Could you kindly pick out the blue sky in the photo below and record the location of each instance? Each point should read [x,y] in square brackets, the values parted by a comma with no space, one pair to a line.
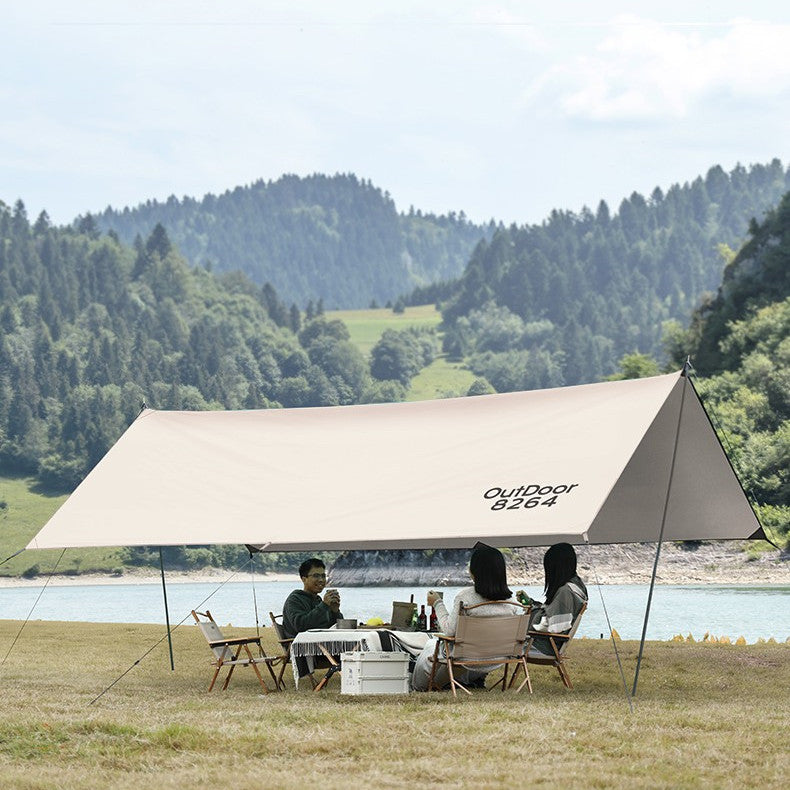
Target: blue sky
[499,109]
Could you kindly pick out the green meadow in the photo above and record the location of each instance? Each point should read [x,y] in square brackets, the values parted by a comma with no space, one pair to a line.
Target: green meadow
[24,508]
[441,379]
[367,326]
[706,715]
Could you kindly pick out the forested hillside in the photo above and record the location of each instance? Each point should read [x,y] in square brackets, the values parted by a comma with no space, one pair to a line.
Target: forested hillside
[91,328]
[561,302]
[335,238]
[739,343]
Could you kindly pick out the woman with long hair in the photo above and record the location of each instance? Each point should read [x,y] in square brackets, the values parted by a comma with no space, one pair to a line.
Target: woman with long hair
[487,569]
[565,595]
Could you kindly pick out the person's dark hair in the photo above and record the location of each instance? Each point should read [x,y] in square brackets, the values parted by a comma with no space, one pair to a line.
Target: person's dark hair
[559,563]
[308,565]
[487,566]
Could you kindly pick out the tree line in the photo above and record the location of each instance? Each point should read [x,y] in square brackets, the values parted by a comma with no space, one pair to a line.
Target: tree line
[91,329]
[560,302]
[739,343]
[336,238]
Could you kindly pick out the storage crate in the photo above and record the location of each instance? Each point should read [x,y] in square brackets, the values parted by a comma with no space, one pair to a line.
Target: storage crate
[374,673]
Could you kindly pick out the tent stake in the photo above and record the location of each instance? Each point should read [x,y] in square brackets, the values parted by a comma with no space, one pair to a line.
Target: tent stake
[167,613]
[663,523]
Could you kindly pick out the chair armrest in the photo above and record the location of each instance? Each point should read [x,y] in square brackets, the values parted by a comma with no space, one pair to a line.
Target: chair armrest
[441,639]
[239,640]
[548,634]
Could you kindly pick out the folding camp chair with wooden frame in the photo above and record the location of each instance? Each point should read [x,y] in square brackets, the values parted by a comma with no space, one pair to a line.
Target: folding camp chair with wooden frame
[483,641]
[285,644]
[228,652]
[559,646]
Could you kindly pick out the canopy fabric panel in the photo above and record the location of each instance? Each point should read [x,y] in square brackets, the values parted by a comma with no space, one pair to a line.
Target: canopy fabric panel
[517,469]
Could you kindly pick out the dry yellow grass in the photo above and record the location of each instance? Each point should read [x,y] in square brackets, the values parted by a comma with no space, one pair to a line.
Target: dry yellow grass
[707,715]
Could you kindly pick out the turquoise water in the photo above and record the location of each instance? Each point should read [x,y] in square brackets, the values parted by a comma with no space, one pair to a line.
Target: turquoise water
[753,612]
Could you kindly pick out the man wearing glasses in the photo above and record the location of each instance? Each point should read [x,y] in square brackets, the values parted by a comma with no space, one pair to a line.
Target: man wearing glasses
[305,609]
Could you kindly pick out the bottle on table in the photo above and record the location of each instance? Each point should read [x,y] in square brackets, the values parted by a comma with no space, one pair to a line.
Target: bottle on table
[523,598]
[413,625]
[433,620]
[422,619]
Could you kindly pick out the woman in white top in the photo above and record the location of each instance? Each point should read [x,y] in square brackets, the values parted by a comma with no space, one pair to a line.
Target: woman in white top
[487,569]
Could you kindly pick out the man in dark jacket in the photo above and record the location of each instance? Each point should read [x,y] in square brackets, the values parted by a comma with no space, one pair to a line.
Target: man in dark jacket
[304,609]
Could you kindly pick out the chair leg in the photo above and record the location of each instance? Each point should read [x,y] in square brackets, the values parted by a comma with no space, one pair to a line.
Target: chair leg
[274,677]
[564,675]
[453,682]
[333,667]
[214,679]
[280,682]
[514,675]
[266,689]
[325,679]
[452,676]
[522,665]
[233,666]
[434,664]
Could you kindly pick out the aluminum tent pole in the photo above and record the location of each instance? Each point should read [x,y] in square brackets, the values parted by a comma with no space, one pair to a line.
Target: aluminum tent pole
[663,523]
[167,612]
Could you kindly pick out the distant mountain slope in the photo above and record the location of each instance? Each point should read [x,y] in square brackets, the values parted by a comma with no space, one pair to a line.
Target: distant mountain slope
[739,343]
[561,302]
[90,329]
[337,238]
[757,277]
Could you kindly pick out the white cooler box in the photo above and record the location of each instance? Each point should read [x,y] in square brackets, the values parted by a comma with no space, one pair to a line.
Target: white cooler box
[374,673]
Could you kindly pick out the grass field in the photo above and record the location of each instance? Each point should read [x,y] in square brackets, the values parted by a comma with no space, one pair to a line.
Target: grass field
[441,379]
[707,715]
[367,326]
[26,508]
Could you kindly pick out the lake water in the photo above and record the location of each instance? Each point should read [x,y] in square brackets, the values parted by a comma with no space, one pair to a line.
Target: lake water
[733,610]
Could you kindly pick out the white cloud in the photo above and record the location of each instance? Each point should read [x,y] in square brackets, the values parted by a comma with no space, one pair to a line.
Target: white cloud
[502,108]
[646,70]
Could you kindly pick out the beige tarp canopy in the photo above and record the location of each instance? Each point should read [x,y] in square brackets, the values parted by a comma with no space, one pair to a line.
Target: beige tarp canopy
[605,463]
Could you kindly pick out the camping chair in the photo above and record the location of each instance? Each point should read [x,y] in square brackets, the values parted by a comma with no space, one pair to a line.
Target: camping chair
[224,655]
[483,641]
[559,645]
[285,645]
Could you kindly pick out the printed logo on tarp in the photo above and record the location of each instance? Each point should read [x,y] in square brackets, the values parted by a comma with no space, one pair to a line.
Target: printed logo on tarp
[527,497]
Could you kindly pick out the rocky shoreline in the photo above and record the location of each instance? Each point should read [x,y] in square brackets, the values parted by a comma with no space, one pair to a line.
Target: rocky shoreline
[724,562]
